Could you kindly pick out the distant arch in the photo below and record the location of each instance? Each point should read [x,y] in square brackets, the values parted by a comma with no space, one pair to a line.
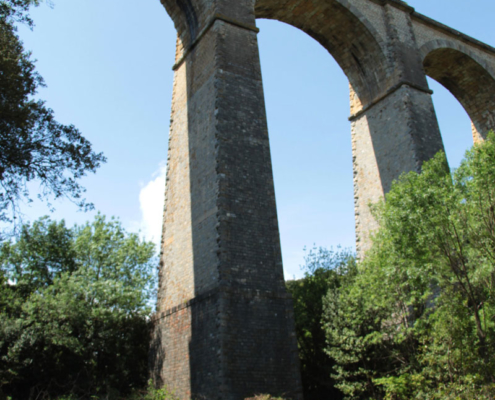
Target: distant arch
[470,80]
[344,32]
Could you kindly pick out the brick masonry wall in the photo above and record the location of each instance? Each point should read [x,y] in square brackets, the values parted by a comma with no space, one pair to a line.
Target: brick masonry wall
[228,344]
[224,326]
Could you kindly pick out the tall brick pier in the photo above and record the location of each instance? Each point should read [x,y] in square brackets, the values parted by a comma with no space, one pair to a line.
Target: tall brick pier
[224,325]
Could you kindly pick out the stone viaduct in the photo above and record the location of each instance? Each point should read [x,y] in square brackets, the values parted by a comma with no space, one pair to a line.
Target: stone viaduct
[224,324]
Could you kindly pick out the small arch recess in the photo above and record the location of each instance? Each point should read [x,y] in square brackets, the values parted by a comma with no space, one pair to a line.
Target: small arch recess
[467,78]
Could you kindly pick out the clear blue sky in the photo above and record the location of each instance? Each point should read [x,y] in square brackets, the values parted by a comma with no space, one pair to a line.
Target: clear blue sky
[107,64]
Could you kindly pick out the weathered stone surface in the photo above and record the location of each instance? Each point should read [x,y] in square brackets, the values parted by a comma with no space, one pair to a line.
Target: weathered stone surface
[224,326]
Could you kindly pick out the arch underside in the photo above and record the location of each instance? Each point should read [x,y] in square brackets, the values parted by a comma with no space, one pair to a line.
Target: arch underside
[469,82]
[341,33]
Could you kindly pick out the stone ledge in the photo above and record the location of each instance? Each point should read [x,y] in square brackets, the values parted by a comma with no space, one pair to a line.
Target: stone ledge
[216,17]
[378,99]
[240,292]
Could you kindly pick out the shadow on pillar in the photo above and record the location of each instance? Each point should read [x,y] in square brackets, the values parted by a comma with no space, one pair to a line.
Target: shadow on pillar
[242,330]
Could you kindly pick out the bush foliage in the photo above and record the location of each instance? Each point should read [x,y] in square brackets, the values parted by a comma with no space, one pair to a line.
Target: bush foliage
[417,320]
[74,310]
[324,270]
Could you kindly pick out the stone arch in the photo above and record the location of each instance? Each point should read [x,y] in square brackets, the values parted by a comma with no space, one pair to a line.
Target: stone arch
[470,80]
[185,17]
[344,32]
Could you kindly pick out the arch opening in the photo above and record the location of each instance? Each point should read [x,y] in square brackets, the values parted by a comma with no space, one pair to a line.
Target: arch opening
[352,42]
[307,106]
[469,82]
[454,123]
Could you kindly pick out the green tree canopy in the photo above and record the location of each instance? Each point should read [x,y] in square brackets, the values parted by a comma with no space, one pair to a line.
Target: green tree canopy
[33,145]
[74,309]
[418,320]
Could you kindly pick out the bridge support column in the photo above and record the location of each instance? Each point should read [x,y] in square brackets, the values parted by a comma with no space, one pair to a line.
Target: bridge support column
[394,134]
[224,328]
